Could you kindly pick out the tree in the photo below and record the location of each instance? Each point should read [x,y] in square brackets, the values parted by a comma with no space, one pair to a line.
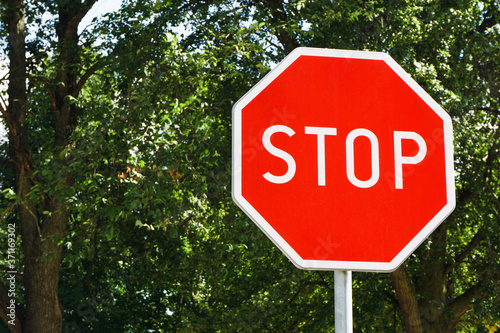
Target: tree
[43,216]
[117,172]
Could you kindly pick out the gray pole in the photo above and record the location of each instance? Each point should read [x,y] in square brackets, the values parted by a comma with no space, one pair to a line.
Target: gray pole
[343,301]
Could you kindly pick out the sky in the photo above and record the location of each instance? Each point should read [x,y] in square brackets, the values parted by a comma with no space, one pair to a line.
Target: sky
[100,8]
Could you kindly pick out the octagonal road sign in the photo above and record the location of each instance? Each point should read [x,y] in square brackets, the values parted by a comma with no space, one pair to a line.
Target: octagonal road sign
[343,160]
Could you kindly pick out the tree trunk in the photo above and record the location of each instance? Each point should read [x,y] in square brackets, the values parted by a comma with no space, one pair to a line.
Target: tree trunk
[42,234]
[42,260]
[433,285]
[42,255]
[407,299]
[433,310]
[15,119]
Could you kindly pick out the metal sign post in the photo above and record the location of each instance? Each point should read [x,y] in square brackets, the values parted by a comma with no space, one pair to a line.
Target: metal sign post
[343,301]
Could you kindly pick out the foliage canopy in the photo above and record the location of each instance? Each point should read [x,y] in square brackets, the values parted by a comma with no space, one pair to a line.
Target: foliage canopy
[116,171]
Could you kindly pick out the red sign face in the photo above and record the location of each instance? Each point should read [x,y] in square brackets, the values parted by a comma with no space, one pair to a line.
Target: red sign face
[342,160]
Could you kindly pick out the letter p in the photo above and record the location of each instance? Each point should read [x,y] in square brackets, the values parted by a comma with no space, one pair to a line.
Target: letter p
[399,159]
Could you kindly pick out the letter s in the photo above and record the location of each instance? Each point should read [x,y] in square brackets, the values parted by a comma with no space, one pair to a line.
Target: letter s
[266,140]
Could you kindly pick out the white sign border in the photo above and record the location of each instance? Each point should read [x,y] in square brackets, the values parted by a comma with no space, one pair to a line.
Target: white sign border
[272,233]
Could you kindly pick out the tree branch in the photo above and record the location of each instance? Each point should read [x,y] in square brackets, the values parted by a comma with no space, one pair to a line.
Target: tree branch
[463,303]
[84,9]
[474,243]
[52,98]
[278,14]
[3,105]
[4,113]
[84,78]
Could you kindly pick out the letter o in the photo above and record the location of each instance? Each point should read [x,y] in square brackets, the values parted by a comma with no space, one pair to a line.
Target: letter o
[349,143]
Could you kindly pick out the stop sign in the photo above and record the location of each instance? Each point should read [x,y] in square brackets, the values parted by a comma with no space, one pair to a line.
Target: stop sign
[343,160]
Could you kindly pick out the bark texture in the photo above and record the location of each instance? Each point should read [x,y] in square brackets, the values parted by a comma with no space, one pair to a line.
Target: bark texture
[42,234]
[42,254]
[407,299]
[429,305]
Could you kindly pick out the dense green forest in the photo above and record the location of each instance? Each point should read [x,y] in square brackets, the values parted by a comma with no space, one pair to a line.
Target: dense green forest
[116,209]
